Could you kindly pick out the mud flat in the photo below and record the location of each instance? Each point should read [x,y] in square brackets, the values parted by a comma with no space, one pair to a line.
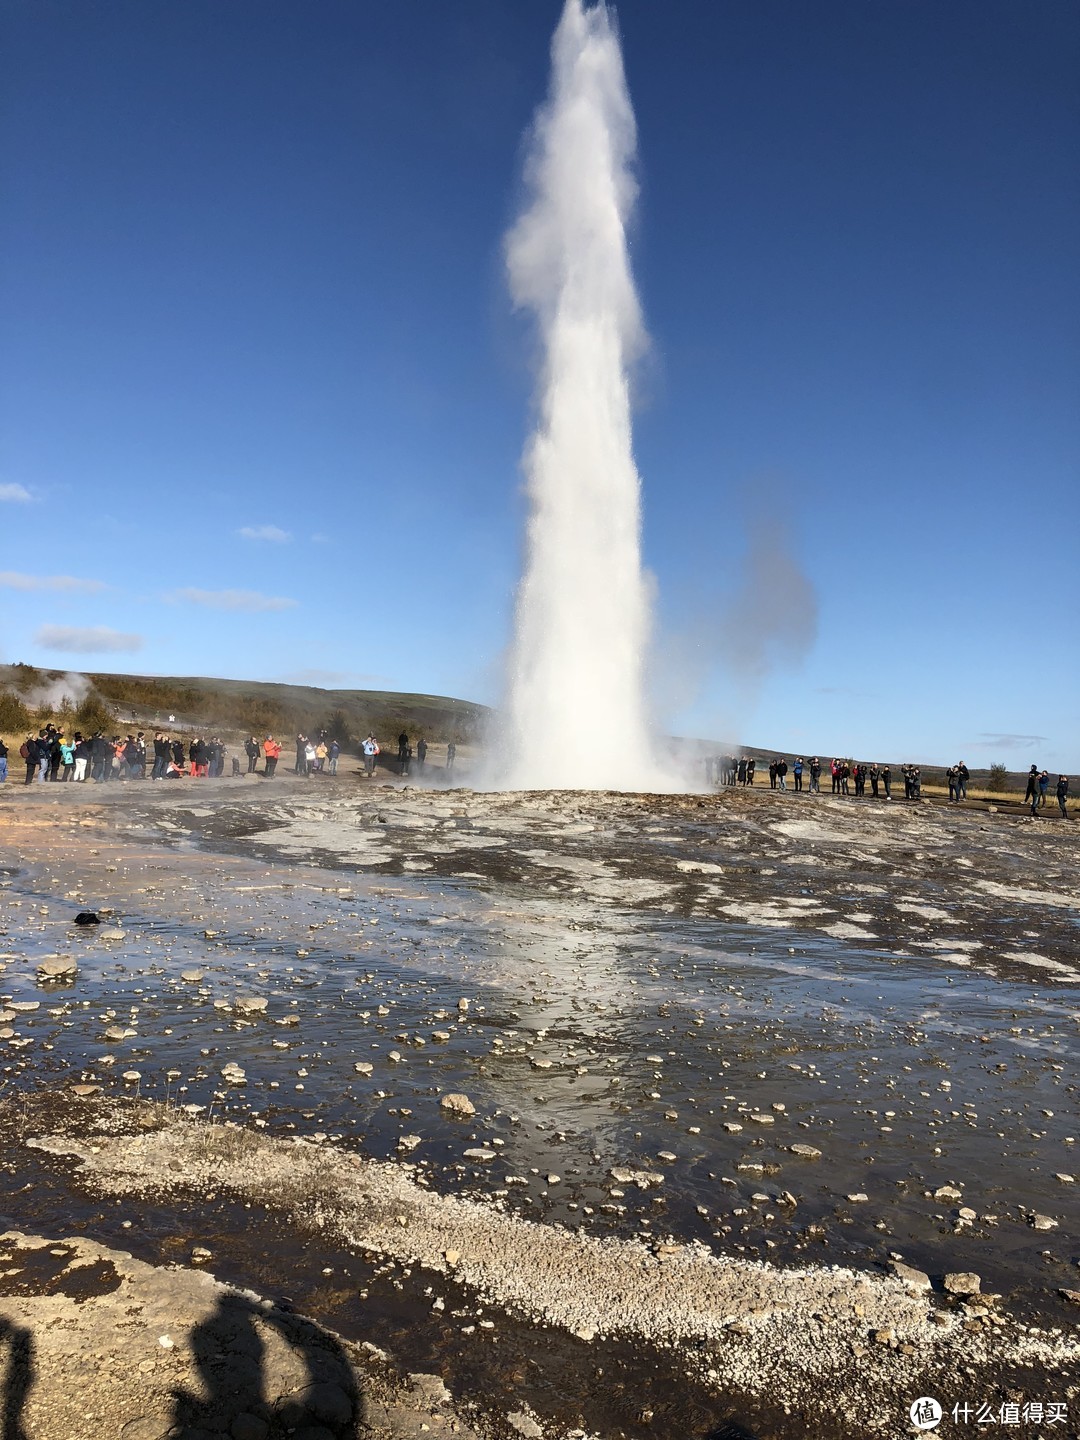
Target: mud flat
[624,1115]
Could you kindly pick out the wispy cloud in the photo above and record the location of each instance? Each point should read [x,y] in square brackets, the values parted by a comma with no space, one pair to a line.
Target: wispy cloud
[13,580]
[248,602]
[18,493]
[264,532]
[319,539]
[86,640]
[1008,741]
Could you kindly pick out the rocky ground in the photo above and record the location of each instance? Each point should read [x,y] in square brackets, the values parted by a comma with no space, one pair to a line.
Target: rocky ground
[747,1114]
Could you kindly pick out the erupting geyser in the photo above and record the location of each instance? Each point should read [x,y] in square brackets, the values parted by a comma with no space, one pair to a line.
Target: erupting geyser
[577,712]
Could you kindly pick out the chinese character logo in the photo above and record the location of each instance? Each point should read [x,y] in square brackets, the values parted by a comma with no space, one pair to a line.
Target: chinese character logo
[925,1413]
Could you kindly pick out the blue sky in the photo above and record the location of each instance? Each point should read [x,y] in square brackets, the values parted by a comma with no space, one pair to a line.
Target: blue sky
[261,390]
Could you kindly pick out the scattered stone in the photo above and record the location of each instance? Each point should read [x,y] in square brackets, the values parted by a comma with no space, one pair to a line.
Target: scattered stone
[1072,1296]
[233,1073]
[251,1005]
[457,1105]
[962,1283]
[858,1198]
[643,1179]
[200,1255]
[84,1090]
[760,1118]
[116,1033]
[362,1067]
[948,1192]
[86,917]
[808,1152]
[429,1389]
[918,1279]
[479,1153]
[1042,1222]
[525,1424]
[57,967]
[116,935]
[192,977]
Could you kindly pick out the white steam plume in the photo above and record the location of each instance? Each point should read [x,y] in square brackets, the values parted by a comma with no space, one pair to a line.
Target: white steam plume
[577,714]
[50,694]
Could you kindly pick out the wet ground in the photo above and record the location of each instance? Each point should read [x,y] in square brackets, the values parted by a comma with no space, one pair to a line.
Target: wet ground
[676,990]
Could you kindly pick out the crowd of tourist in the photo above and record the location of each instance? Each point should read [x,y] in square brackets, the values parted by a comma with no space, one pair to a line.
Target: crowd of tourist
[1038,783]
[50,755]
[849,777]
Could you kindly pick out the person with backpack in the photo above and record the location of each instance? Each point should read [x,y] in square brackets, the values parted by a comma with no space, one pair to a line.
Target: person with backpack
[963,775]
[28,750]
[253,750]
[1032,791]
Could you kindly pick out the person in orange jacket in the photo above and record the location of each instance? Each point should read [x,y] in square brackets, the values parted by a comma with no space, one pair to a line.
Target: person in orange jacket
[272,750]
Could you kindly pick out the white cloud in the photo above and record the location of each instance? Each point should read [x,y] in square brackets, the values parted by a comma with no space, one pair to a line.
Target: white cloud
[248,601]
[264,532]
[18,493]
[86,640]
[13,580]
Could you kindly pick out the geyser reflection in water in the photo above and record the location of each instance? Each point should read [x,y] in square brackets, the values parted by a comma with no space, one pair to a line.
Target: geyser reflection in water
[577,717]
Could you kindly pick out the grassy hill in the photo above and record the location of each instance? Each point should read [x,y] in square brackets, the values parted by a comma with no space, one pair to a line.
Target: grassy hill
[95,700]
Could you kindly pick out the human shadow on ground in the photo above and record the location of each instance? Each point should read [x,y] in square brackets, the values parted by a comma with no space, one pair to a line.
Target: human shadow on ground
[730,1431]
[19,1374]
[256,1389]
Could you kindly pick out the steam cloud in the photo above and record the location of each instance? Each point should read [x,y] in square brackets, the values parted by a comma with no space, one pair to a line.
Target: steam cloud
[773,612]
[51,694]
[576,711]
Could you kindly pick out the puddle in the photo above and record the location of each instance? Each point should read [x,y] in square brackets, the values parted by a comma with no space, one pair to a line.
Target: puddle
[592,1040]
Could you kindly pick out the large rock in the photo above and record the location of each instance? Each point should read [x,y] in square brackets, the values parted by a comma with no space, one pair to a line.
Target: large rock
[963,1283]
[329,1402]
[916,1279]
[57,967]
[457,1105]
